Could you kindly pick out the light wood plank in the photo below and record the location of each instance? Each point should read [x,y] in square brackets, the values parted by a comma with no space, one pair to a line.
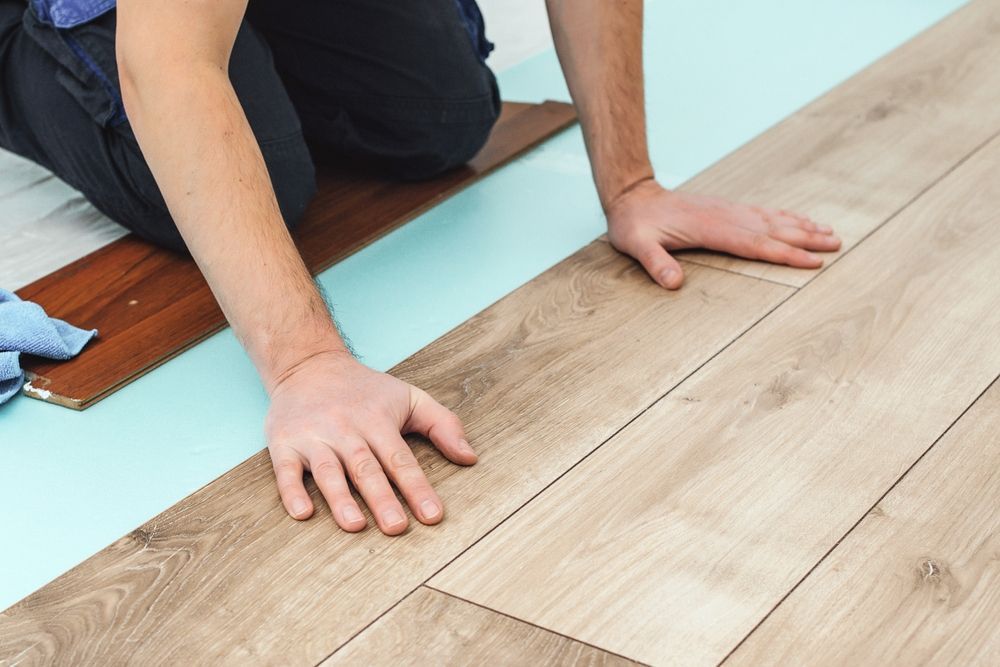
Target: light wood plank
[861,152]
[918,581]
[677,536]
[431,628]
[540,378]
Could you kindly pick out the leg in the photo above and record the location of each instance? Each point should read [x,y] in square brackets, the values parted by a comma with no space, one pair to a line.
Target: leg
[400,84]
[62,109]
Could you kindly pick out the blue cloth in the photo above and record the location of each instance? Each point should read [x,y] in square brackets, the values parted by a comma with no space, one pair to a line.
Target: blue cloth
[24,327]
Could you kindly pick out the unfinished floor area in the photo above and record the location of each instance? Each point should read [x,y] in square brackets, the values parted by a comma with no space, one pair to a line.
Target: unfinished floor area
[769,466]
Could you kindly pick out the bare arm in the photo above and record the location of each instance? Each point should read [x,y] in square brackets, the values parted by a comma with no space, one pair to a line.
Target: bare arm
[329,414]
[600,48]
[174,60]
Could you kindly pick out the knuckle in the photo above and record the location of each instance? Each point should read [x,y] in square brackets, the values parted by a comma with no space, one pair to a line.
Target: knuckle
[286,467]
[403,460]
[355,451]
[288,488]
[649,256]
[366,468]
[451,421]
[326,467]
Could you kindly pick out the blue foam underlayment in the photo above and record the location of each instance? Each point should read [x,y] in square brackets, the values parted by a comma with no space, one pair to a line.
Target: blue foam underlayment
[719,73]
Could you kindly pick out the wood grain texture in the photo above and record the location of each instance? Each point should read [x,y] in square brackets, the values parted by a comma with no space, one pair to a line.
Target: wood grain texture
[918,581]
[431,628]
[540,379]
[674,539]
[150,304]
[858,154]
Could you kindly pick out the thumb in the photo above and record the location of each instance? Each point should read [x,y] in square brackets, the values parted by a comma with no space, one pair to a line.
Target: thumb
[660,266]
[439,425]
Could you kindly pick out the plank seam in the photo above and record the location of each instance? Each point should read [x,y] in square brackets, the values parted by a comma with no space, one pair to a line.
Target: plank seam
[818,272]
[461,553]
[680,256]
[536,626]
[513,618]
[792,292]
[857,523]
[688,260]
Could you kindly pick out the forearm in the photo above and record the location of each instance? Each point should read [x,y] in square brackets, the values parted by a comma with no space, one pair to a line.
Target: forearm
[198,143]
[599,44]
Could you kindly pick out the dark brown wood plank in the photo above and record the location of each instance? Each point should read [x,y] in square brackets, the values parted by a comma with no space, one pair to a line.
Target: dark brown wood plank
[540,379]
[150,304]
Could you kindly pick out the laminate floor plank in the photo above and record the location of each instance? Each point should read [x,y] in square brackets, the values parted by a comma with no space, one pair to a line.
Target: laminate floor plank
[675,538]
[150,304]
[918,581]
[540,379]
[431,628]
[861,152]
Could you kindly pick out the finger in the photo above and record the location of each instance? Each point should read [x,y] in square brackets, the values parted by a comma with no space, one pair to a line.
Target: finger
[288,475]
[763,247]
[439,425]
[332,483]
[767,218]
[661,267]
[803,222]
[801,238]
[371,483]
[399,462]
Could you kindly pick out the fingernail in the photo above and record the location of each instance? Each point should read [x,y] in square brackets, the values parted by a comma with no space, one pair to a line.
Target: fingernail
[667,277]
[430,509]
[466,447]
[351,514]
[814,257]
[393,518]
[299,507]
[826,229]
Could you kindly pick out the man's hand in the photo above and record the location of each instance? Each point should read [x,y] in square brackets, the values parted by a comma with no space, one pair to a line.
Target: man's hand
[340,420]
[648,220]
[600,48]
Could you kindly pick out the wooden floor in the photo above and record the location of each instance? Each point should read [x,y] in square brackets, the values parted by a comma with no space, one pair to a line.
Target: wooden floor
[768,467]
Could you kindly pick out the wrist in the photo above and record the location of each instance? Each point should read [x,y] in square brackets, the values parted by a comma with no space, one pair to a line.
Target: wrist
[280,352]
[614,188]
[294,365]
[639,188]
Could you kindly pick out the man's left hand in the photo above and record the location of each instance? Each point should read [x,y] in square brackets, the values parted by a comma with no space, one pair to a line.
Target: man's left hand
[648,221]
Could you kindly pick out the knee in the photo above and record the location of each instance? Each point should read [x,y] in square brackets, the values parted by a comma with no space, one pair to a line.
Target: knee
[450,129]
[436,147]
[423,138]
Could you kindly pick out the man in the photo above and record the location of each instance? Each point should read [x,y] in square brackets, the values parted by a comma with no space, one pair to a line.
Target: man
[193,122]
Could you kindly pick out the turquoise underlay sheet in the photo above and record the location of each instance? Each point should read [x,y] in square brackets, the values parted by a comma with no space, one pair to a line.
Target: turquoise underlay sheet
[719,73]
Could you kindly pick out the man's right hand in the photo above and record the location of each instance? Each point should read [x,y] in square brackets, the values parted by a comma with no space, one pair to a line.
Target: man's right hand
[340,420]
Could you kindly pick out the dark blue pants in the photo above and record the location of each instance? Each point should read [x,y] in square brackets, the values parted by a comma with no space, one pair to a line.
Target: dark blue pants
[395,85]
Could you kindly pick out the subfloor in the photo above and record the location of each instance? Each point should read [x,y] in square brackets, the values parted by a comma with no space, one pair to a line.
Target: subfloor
[769,466]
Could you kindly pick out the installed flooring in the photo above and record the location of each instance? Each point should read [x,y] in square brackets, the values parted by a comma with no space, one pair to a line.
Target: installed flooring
[769,466]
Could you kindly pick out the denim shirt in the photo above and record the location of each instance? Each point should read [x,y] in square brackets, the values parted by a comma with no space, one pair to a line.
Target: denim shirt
[70,13]
[65,14]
